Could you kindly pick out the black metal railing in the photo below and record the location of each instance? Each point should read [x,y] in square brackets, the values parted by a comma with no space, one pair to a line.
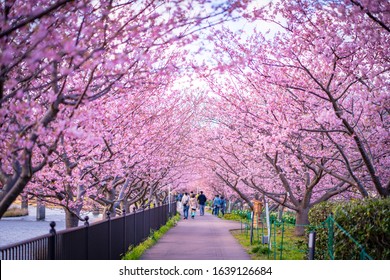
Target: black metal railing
[103,240]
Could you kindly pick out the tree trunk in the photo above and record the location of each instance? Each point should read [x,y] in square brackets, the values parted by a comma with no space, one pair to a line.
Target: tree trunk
[280,212]
[125,205]
[71,220]
[41,210]
[110,209]
[11,190]
[301,221]
[24,201]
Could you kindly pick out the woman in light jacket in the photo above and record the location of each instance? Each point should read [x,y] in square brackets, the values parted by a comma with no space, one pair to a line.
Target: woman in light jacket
[193,205]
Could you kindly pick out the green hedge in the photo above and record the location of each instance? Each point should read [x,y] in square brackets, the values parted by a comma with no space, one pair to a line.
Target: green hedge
[288,217]
[367,221]
[317,216]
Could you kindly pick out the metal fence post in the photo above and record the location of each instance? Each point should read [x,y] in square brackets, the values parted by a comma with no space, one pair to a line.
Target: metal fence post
[150,224]
[251,230]
[109,234]
[143,223]
[330,236]
[52,241]
[134,227]
[274,241]
[312,243]
[124,230]
[162,207]
[281,244]
[86,224]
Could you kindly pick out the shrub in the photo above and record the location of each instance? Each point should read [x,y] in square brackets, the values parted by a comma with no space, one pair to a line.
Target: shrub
[243,214]
[317,216]
[288,217]
[366,221]
[261,249]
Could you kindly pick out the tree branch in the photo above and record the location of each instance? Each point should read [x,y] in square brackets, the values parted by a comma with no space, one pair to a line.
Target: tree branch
[34,17]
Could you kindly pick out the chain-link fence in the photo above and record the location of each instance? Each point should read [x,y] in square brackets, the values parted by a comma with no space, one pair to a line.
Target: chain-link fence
[279,242]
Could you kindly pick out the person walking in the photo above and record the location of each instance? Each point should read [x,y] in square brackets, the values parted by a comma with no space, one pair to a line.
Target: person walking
[193,204]
[179,196]
[216,205]
[185,200]
[202,202]
[223,205]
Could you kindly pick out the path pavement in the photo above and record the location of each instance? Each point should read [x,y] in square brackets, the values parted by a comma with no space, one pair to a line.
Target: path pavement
[203,238]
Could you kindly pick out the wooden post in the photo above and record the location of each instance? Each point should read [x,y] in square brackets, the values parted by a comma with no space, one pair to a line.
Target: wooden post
[257,209]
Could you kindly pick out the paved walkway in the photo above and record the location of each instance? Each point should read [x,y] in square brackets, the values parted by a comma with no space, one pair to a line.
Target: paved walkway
[203,238]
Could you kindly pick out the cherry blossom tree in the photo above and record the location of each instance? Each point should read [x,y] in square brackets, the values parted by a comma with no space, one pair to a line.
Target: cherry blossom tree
[343,68]
[138,155]
[92,110]
[303,116]
[256,154]
[58,56]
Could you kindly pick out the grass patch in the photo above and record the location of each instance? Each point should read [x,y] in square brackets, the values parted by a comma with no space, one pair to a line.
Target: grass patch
[15,212]
[136,252]
[292,248]
[231,217]
[235,215]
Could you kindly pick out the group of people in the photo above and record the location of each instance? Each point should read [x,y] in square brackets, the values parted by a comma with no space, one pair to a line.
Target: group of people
[190,202]
[219,204]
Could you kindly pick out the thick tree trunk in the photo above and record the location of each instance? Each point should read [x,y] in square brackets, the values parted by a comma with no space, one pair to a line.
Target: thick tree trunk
[71,220]
[302,220]
[11,191]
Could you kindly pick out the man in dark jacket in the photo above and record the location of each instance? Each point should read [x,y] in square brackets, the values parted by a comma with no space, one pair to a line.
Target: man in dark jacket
[202,202]
[185,202]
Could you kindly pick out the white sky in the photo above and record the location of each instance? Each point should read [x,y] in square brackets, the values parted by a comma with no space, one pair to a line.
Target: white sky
[267,28]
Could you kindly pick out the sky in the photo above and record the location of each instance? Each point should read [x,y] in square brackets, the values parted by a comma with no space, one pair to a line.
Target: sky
[201,50]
